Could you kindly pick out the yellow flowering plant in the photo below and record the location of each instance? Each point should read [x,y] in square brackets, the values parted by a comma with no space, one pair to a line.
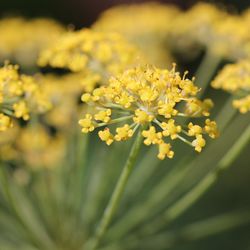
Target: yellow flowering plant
[24,47]
[19,95]
[61,188]
[235,79]
[153,24]
[97,55]
[149,97]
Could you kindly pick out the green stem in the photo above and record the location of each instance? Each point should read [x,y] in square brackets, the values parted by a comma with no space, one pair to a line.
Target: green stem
[137,214]
[15,208]
[78,177]
[206,70]
[164,190]
[197,191]
[226,114]
[194,231]
[117,193]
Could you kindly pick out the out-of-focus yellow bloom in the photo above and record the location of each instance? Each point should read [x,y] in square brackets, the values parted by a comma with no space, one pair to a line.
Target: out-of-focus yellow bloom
[64,93]
[230,38]
[33,145]
[19,96]
[97,55]
[148,97]
[39,149]
[207,26]
[5,122]
[235,79]
[147,25]
[22,40]
[191,29]
[7,139]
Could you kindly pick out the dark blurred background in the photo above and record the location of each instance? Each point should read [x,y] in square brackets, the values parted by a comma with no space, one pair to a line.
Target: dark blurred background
[84,12]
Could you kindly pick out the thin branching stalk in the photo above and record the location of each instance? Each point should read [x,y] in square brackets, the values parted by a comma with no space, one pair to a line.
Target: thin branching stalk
[207,70]
[10,198]
[164,187]
[192,232]
[178,208]
[117,194]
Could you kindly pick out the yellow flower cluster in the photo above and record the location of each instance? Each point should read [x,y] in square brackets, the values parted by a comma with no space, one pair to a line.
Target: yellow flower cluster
[153,21]
[96,54]
[39,149]
[205,25]
[235,79]
[153,99]
[34,145]
[19,95]
[64,93]
[22,40]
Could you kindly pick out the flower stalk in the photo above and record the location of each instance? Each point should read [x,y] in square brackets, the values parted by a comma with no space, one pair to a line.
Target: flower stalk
[117,194]
[206,70]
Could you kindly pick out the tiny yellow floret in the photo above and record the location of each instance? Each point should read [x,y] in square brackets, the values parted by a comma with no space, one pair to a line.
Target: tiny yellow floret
[87,124]
[165,150]
[199,143]
[106,136]
[123,133]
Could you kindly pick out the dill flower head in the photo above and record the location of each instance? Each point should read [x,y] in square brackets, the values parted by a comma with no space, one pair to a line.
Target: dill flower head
[96,54]
[153,99]
[22,39]
[146,25]
[206,25]
[19,96]
[230,38]
[194,27]
[235,79]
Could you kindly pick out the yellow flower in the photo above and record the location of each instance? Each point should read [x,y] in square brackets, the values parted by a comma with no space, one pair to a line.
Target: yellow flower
[96,55]
[106,136]
[153,22]
[39,149]
[194,129]
[103,115]
[170,129]
[211,128]
[235,79]
[242,104]
[194,28]
[167,109]
[5,122]
[123,133]
[87,124]
[23,47]
[20,95]
[165,150]
[21,110]
[152,137]
[135,97]
[142,117]
[199,143]
[195,107]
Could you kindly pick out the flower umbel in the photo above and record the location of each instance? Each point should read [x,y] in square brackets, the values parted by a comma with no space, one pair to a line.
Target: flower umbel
[96,55]
[149,97]
[235,79]
[19,96]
